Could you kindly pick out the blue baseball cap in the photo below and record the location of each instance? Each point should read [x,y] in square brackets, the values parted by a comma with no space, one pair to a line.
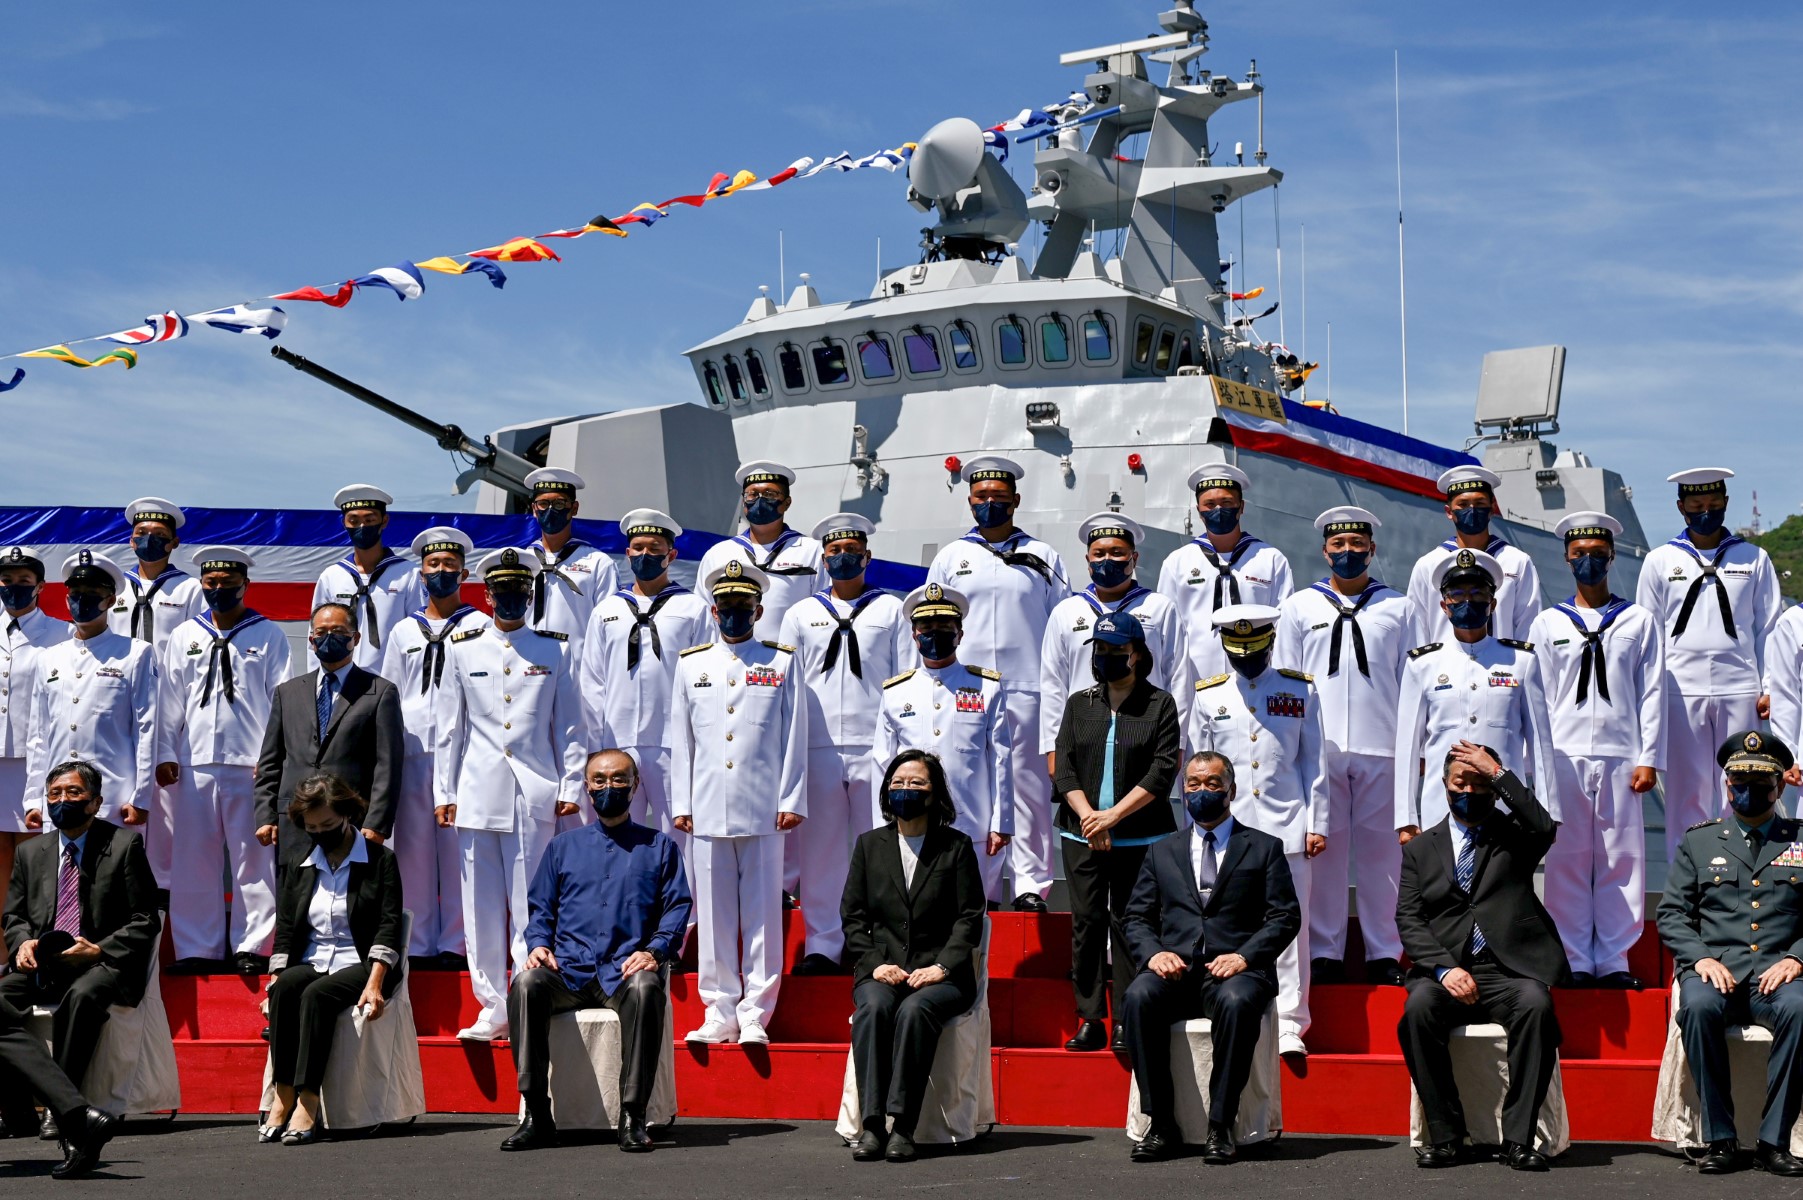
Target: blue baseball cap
[1118,629]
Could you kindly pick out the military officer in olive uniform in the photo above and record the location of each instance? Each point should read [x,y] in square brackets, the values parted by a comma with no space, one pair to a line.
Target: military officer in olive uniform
[1731,915]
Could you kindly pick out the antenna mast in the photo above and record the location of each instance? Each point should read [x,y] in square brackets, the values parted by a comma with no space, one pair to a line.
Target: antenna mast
[1402,289]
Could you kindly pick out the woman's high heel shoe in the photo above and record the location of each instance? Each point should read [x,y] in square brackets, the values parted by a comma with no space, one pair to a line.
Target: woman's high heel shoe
[301,1137]
[270,1134]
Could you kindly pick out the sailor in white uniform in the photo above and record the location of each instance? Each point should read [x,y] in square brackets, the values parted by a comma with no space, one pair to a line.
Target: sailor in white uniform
[1473,688]
[1011,583]
[1224,565]
[95,698]
[574,575]
[376,584]
[958,713]
[738,782]
[1353,634]
[157,595]
[1470,505]
[27,630]
[1717,599]
[789,559]
[218,679]
[1113,544]
[425,848]
[628,663]
[1267,720]
[849,637]
[508,763]
[1784,683]
[1603,659]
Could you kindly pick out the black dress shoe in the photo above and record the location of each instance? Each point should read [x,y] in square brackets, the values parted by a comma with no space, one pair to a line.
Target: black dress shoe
[191,966]
[250,964]
[1720,1158]
[1440,1154]
[269,1135]
[790,901]
[871,1143]
[1517,1157]
[634,1137]
[84,1149]
[901,1148]
[47,1128]
[1326,970]
[1090,1035]
[536,1132]
[1384,971]
[1775,1160]
[1030,902]
[1624,981]
[1118,1043]
[1219,1149]
[816,964]
[1156,1146]
[1582,979]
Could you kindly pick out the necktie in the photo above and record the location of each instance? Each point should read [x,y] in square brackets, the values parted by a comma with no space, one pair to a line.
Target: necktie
[541,586]
[141,611]
[1224,576]
[1015,558]
[1467,867]
[363,597]
[642,622]
[1349,617]
[328,688]
[1696,589]
[68,895]
[220,659]
[1208,865]
[12,626]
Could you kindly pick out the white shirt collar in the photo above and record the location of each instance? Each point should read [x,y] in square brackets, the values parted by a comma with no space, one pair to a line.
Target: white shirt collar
[1221,832]
[338,675]
[359,854]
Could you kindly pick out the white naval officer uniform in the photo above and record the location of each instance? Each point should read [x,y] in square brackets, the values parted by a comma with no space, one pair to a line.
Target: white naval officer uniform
[215,739]
[738,756]
[378,600]
[1517,596]
[509,749]
[1358,686]
[1596,869]
[1199,581]
[23,639]
[1784,676]
[1064,653]
[96,700]
[792,562]
[150,609]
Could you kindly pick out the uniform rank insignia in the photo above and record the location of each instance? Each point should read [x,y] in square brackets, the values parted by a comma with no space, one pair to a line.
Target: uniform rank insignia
[1322,625]
[478,674]
[762,677]
[1504,681]
[193,648]
[1081,625]
[109,673]
[1792,856]
[1283,704]
[538,671]
[970,700]
[53,675]
[701,681]
[907,710]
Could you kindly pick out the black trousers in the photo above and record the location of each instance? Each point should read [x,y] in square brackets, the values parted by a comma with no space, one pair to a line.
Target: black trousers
[1523,1007]
[83,1001]
[28,1074]
[541,993]
[1100,883]
[1236,1007]
[1704,1015]
[304,1007]
[894,1035]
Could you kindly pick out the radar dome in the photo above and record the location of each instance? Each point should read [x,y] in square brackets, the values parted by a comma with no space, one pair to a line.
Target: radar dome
[946,159]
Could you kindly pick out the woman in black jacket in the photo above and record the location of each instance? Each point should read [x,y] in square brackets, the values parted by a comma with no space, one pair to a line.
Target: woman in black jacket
[337,943]
[1116,761]
[913,913]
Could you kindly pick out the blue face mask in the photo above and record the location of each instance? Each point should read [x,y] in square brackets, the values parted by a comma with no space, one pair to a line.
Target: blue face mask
[1110,668]
[1205,806]
[86,606]
[762,510]
[68,814]
[1469,614]
[991,514]
[908,803]
[1471,807]
[18,596]
[443,583]
[511,605]
[610,802]
[222,599]
[1350,564]
[1707,522]
[150,547]
[365,537]
[553,520]
[1221,521]
[1471,521]
[936,645]
[1590,569]
[849,565]
[332,647]
[1748,800]
[1109,572]
[737,621]
[646,567]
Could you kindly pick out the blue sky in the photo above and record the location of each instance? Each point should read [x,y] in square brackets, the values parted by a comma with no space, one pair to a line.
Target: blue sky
[1621,178]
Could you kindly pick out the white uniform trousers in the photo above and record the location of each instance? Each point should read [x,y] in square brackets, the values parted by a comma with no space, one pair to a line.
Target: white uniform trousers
[12,796]
[1596,870]
[1032,853]
[159,833]
[496,867]
[1363,852]
[841,808]
[429,859]
[1293,963]
[1695,728]
[651,807]
[216,829]
[739,901]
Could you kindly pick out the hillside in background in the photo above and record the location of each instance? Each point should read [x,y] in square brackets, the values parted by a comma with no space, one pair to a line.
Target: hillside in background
[1785,545]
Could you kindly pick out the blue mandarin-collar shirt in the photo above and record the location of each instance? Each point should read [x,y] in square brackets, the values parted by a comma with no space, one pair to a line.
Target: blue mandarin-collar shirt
[601,895]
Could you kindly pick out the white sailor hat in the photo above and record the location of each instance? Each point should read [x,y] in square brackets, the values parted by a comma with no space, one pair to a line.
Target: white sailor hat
[1111,525]
[992,466]
[441,538]
[736,578]
[554,479]
[843,525]
[1218,475]
[154,508]
[85,566]
[1587,525]
[643,522]
[1469,478]
[501,565]
[1246,628]
[762,470]
[1463,564]
[1347,518]
[362,495]
[22,556]
[1701,481]
[222,558]
[933,600]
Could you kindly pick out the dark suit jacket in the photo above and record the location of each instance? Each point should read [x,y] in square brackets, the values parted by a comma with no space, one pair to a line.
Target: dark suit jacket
[1146,745]
[363,746]
[373,899]
[937,920]
[1707,908]
[118,899]
[1434,915]
[1252,912]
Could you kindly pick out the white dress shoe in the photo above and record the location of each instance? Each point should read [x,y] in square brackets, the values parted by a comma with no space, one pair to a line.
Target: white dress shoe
[751,1033]
[713,1031]
[483,1030]
[1291,1043]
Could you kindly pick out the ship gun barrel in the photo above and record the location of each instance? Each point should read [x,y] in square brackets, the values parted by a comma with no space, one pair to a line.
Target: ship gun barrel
[488,462]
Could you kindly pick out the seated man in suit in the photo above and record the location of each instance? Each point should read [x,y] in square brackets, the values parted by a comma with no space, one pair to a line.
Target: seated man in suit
[1483,948]
[1212,910]
[87,888]
[1731,916]
[608,909]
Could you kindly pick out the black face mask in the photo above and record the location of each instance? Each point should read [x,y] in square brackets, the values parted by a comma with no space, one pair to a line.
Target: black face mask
[845,566]
[936,645]
[365,537]
[1750,799]
[1471,521]
[329,839]
[1707,522]
[646,567]
[1251,666]
[610,802]
[762,510]
[68,814]
[1205,806]
[991,514]
[512,605]
[553,520]
[736,620]
[1109,572]
[442,583]
[1350,564]
[1110,668]
[18,596]
[86,606]
[1469,614]
[331,647]
[1221,521]
[222,599]
[150,547]
[1471,807]
[908,803]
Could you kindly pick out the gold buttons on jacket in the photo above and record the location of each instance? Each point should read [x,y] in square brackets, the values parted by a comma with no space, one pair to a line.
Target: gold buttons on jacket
[1752,947]
[729,764]
[1756,926]
[506,724]
[1755,904]
[508,752]
[729,710]
[507,699]
[506,670]
[1755,883]
[1255,764]
[729,737]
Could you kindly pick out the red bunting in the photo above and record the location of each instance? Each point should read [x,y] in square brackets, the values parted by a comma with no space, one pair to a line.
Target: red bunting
[345,292]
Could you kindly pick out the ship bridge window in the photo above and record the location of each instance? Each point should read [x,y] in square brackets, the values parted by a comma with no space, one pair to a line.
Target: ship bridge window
[1142,343]
[832,368]
[1186,353]
[1098,339]
[875,359]
[920,351]
[754,369]
[1054,340]
[1167,345]
[735,379]
[964,346]
[788,361]
[716,391]
[1011,342]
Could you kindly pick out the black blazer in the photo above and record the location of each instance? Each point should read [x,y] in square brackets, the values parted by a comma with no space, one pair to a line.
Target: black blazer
[118,899]
[1146,746]
[1434,915]
[1252,912]
[373,898]
[937,920]
[363,746]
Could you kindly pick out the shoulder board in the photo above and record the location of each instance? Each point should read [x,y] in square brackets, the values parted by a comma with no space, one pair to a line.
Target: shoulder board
[467,634]
[1704,824]
[1304,676]
[1418,651]
[779,646]
[552,634]
[696,649]
[1203,685]
[903,677]
[1511,642]
[985,673]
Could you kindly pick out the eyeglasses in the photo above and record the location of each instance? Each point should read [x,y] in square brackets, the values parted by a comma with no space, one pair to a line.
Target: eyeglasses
[73,791]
